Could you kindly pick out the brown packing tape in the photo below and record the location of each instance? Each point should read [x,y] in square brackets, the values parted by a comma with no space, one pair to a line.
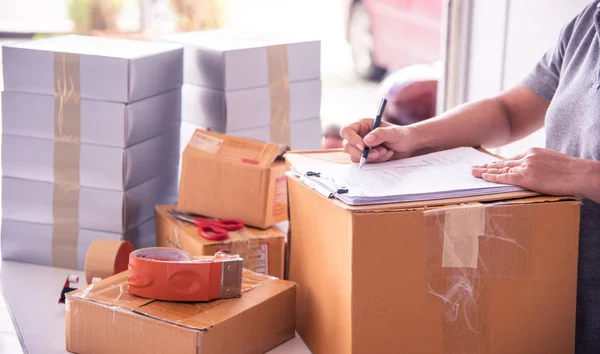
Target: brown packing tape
[67,131]
[279,92]
[462,229]
[467,247]
[105,258]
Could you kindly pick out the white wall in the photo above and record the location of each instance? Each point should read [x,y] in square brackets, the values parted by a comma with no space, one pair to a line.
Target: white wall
[507,38]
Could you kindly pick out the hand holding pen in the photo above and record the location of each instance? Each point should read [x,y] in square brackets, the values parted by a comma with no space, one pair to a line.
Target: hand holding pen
[376,124]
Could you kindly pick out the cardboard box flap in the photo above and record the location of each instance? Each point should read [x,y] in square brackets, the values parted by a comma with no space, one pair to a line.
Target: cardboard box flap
[202,316]
[235,149]
[247,234]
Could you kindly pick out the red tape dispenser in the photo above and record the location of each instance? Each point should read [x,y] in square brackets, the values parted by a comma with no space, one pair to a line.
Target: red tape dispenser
[170,274]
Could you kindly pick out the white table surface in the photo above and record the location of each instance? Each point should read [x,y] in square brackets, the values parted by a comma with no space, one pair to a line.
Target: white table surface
[31,294]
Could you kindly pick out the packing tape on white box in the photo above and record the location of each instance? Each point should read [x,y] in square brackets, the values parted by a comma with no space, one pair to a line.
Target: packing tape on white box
[466,247]
[105,258]
[67,132]
[279,93]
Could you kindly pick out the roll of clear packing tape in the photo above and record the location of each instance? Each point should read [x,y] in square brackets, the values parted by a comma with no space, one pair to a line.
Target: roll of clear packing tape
[105,258]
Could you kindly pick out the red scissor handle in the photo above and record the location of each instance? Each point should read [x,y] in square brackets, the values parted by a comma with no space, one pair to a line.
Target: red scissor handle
[231,224]
[217,230]
[212,232]
[227,224]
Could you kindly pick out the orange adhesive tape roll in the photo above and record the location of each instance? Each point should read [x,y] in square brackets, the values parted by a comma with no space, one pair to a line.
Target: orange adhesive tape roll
[105,258]
[170,274]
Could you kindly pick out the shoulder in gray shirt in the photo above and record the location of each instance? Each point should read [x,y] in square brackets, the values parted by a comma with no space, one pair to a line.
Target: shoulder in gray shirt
[568,76]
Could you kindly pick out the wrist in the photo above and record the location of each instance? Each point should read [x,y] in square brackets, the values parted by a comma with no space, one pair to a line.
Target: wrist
[589,180]
[419,139]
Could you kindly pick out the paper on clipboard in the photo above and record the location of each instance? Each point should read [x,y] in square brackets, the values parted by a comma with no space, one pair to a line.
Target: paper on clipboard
[439,175]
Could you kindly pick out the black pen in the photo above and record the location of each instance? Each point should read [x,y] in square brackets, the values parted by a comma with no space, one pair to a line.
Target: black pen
[376,124]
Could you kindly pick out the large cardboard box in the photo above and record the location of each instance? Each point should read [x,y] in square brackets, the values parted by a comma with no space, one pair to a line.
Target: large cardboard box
[228,177]
[33,242]
[105,318]
[304,134]
[230,111]
[98,209]
[263,251]
[98,166]
[105,69]
[232,59]
[113,124]
[487,275]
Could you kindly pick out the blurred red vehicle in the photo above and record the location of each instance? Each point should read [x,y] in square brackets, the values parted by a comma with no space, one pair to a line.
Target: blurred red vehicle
[386,35]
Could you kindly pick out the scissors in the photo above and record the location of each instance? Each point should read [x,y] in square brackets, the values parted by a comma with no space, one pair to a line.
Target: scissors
[210,229]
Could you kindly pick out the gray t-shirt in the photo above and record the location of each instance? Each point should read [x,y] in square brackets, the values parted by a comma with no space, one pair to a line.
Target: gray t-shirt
[568,76]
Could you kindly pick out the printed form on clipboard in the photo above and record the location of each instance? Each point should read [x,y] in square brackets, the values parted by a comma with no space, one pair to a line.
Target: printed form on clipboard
[439,175]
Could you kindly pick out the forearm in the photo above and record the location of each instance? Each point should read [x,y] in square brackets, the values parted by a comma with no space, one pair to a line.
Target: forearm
[482,123]
[492,122]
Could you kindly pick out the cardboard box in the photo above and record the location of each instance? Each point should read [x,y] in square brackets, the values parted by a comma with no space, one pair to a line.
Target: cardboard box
[230,111]
[105,318]
[105,69]
[230,59]
[453,276]
[304,135]
[263,251]
[98,166]
[33,243]
[228,177]
[104,123]
[98,209]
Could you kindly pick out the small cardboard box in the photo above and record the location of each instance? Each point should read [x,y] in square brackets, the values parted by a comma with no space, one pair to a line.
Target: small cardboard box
[98,166]
[228,177]
[105,69]
[33,243]
[230,111]
[105,318]
[104,123]
[304,134]
[263,251]
[231,60]
[98,209]
[398,280]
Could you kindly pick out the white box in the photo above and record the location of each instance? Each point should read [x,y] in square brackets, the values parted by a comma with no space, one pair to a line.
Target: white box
[106,69]
[230,111]
[304,134]
[102,122]
[100,166]
[32,243]
[187,131]
[229,59]
[98,209]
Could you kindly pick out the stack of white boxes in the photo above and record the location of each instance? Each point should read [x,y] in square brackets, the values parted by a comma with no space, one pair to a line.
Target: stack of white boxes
[256,85]
[91,130]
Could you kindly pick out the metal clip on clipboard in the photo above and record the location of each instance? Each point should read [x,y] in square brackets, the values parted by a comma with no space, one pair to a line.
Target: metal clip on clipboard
[323,185]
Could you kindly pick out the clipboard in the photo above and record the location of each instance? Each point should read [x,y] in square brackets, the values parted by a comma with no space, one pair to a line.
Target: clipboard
[323,185]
